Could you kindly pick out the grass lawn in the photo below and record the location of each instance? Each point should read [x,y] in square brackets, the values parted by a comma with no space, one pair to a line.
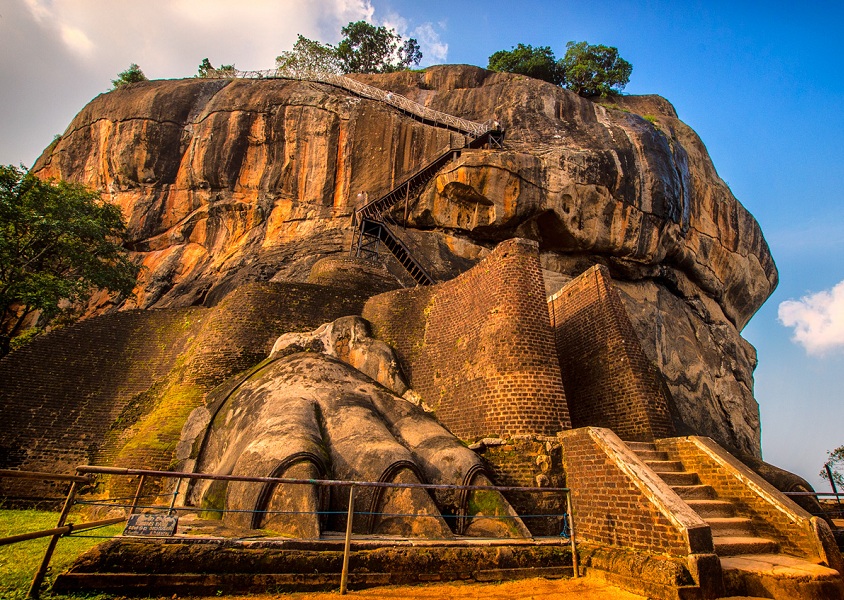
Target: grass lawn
[18,562]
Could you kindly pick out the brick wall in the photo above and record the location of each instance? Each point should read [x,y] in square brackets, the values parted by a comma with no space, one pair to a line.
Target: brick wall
[242,328]
[611,509]
[608,379]
[772,514]
[117,389]
[61,394]
[479,348]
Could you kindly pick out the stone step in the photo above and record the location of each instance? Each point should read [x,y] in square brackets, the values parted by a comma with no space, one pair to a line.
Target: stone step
[647,455]
[680,478]
[666,466]
[637,446]
[712,508]
[780,577]
[730,545]
[730,526]
[694,492]
[207,584]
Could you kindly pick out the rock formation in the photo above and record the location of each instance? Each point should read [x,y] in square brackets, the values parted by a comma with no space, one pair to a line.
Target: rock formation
[231,181]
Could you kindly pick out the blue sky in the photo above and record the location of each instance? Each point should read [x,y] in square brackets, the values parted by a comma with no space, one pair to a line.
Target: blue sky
[761,82]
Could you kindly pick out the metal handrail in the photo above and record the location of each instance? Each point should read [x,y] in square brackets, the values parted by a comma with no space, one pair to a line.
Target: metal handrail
[61,528]
[358,88]
[94,469]
[42,475]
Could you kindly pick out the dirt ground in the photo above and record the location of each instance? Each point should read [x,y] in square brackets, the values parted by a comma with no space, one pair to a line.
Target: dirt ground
[583,588]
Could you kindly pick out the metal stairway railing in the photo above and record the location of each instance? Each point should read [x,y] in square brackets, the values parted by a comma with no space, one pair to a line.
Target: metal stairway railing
[363,90]
[370,220]
[372,232]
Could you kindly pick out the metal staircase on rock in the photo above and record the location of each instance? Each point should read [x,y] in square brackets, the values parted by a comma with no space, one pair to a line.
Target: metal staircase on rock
[372,221]
[743,553]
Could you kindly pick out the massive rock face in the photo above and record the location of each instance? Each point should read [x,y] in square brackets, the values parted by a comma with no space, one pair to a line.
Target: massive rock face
[231,181]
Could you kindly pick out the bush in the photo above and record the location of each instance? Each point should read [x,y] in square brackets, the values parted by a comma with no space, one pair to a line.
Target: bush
[538,62]
[585,69]
[131,75]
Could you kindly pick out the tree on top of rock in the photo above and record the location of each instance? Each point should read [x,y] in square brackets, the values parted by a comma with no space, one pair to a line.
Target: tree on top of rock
[585,69]
[594,70]
[538,63]
[309,57]
[369,49]
[206,69]
[364,48]
[131,75]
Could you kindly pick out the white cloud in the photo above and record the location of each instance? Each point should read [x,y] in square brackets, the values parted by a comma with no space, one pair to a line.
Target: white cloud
[434,50]
[817,319]
[58,54]
[75,39]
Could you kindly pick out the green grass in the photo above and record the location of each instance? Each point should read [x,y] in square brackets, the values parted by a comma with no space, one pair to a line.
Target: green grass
[18,562]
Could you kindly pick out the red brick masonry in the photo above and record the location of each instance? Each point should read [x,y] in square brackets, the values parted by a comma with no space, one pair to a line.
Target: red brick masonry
[608,379]
[479,348]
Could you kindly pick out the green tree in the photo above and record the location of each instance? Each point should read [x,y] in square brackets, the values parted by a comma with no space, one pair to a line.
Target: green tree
[308,57]
[58,244]
[131,75]
[594,70]
[538,62]
[206,68]
[369,49]
[835,461]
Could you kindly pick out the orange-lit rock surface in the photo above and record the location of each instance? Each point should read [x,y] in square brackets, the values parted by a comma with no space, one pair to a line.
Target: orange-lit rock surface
[225,181]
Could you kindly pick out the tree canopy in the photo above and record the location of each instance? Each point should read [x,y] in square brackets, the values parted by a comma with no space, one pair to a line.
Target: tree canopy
[588,70]
[594,70]
[835,462]
[205,67]
[58,244]
[538,62]
[307,57]
[364,48]
[369,49]
[131,75]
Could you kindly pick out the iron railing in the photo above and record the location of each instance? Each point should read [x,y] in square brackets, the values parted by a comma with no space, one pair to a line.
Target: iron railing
[132,505]
[363,90]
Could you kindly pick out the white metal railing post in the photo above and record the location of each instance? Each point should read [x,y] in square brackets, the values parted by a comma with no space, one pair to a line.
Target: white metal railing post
[362,89]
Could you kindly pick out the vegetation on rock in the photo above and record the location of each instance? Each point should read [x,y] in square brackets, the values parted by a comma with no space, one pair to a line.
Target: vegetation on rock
[364,48]
[538,63]
[205,68]
[309,56]
[588,70]
[594,70]
[58,244]
[131,75]
[835,462]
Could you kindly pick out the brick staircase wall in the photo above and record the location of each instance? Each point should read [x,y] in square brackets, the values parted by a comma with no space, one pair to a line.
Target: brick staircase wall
[772,514]
[619,501]
[608,379]
[479,349]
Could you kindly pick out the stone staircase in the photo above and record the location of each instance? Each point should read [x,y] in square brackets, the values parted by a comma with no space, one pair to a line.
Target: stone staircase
[751,563]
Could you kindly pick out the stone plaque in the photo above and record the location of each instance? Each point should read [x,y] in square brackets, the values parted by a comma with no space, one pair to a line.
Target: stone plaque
[152,525]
